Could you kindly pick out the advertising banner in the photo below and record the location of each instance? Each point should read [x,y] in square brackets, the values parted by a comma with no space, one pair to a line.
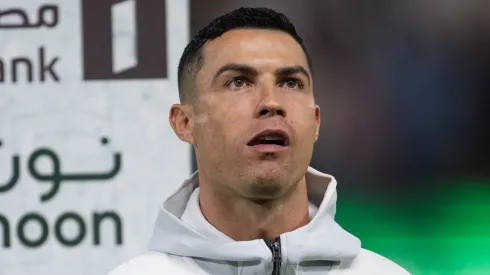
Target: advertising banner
[86,151]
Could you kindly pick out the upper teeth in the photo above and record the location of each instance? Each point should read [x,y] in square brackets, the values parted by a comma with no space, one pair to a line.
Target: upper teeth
[270,138]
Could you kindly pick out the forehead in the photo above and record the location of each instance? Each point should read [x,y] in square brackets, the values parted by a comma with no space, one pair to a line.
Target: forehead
[263,49]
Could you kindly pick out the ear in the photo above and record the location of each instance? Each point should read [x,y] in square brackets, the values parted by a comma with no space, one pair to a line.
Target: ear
[180,118]
[317,119]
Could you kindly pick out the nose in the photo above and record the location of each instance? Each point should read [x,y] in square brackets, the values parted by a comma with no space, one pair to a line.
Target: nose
[271,110]
[270,104]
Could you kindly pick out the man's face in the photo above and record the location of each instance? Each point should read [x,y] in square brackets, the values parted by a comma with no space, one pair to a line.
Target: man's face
[255,120]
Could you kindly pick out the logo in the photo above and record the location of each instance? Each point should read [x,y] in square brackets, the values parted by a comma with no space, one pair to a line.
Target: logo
[26,67]
[86,226]
[124,39]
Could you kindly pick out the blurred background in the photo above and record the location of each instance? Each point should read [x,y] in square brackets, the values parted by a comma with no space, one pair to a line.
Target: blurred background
[403,88]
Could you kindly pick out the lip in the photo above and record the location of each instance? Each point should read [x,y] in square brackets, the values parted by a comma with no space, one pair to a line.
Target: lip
[270,148]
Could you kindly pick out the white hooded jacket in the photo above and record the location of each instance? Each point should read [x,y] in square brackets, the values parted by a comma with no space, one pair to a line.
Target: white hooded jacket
[184,243]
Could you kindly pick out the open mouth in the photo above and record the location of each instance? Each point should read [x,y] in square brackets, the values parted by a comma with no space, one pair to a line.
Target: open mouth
[270,138]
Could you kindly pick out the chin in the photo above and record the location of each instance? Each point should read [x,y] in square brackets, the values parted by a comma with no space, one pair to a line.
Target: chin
[265,190]
[266,184]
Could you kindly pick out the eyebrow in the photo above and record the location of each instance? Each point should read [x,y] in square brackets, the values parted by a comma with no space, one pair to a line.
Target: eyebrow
[239,68]
[252,72]
[292,70]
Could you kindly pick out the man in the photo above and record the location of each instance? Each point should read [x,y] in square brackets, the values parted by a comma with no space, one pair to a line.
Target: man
[247,108]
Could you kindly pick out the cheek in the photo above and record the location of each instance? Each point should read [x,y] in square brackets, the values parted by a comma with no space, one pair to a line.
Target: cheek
[304,122]
[217,130]
[235,113]
[221,124]
[201,121]
[238,107]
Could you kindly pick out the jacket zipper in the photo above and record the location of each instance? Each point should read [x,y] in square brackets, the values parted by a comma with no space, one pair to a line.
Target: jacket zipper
[275,247]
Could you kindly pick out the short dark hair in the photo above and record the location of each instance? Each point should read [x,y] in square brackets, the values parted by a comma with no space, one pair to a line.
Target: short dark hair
[243,18]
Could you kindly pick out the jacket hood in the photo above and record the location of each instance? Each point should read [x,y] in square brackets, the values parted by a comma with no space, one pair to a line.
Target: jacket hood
[322,239]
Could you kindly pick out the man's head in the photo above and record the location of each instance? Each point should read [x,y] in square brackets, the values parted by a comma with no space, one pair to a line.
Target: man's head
[247,104]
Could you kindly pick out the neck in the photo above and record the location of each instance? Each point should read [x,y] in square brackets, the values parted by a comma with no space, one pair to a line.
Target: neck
[246,219]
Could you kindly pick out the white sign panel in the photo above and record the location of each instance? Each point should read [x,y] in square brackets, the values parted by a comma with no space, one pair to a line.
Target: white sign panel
[86,151]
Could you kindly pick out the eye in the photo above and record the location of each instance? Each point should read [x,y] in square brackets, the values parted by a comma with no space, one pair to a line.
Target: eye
[292,84]
[237,83]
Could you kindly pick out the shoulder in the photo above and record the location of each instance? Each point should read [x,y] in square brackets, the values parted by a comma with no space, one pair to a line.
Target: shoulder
[369,262]
[156,263]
